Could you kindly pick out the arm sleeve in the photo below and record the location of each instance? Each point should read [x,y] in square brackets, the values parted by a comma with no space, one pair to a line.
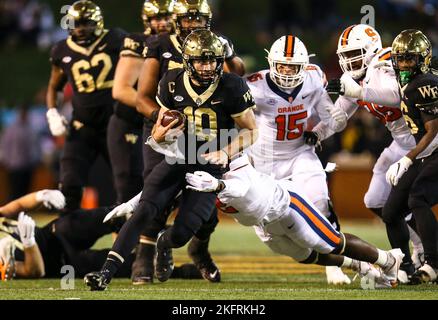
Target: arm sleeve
[237,184]
[348,105]
[387,94]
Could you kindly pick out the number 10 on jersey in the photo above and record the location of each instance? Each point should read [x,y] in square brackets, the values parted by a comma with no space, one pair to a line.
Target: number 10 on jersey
[288,126]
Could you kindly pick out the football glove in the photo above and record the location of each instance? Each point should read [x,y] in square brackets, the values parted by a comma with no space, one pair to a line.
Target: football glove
[26,230]
[397,170]
[228,49]
[350,87]
[57,123]
[340,117]
[384,65]
[312,139]
[335,86]
[124,209]
[51,199]
[202,181]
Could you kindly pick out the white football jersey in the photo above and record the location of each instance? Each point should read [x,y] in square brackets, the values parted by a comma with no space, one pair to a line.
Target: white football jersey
[250,196]
[379,78]
[282,117]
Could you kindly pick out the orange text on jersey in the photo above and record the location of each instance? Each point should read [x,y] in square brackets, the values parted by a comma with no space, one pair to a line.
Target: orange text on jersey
[290,109]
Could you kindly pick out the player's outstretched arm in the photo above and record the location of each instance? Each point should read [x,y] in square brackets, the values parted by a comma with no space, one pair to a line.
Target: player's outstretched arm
[50,198]
[57,123]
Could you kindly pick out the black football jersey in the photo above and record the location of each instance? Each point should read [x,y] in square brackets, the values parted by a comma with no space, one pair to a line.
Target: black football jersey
[420,103]
[50,247]
[167,50]
[91,72]
[209,111]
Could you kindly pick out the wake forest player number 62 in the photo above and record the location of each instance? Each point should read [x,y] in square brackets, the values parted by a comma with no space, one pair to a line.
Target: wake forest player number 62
[87,60]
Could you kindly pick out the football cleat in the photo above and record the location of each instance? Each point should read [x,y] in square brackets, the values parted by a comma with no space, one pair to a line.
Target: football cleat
[425,274]
[198,252]
[391,271]
[373,275]
[336,276]
[97,281]
[163,261]
[143,266]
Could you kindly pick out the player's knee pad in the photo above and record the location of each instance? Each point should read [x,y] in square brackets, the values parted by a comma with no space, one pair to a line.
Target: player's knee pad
[311,259]
[340,248]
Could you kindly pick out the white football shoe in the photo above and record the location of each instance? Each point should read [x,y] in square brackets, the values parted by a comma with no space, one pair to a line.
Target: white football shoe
[391,272]
[336,276]
[375,279]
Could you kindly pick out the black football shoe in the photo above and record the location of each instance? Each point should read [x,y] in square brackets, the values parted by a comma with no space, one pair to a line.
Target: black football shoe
[163,261]
[143,266]
[198,252]
[97,281]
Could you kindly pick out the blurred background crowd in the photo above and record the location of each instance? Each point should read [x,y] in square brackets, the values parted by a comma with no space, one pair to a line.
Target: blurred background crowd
[29,155]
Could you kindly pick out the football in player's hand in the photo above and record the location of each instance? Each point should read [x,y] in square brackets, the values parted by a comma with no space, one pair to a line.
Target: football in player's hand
[171,115]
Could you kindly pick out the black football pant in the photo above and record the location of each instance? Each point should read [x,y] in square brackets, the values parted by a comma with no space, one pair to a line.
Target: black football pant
[151,230]
[125,151]
[82,147]
[416,192]
[73,234]
[160,188]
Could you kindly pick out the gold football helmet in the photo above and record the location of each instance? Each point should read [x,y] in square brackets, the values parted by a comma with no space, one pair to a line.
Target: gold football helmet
[157,8]
[88,21]
[411,55]
[203,45]
[193,10]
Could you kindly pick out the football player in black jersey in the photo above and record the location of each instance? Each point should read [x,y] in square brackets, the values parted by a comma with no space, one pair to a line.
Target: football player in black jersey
[27,251]
[125,126]
[415,176]
[163,53]
[87,60]
[213,103]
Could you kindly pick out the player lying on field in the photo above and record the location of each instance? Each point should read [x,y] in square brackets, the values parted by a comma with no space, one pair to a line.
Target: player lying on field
[286,221]
[27,251]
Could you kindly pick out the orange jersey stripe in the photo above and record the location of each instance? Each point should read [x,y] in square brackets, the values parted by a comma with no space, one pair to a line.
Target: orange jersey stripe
[327,232]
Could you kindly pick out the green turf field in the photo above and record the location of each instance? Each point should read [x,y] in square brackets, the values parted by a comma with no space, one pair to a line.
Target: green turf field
[249,271]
